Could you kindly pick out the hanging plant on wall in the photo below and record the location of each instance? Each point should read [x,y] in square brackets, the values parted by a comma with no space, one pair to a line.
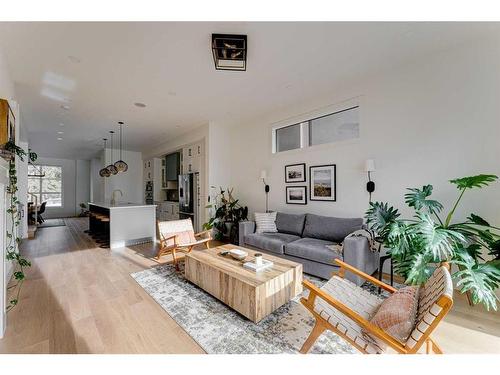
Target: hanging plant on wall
[13,240]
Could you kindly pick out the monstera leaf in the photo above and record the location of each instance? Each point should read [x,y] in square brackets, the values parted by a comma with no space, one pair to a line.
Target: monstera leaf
[495,249]
[418,199]
[399,238]
[480,279]
[475,219]
[379,216]
[438,241]
[478,181]
[416,268]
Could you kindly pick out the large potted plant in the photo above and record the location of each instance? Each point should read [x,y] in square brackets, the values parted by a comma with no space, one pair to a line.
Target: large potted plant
[419,244]
[226,212]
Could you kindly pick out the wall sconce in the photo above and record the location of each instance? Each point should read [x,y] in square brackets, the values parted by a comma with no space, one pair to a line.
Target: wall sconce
[370,185]
[263,176]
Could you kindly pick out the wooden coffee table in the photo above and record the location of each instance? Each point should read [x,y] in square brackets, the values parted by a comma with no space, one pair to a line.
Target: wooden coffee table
[253,294]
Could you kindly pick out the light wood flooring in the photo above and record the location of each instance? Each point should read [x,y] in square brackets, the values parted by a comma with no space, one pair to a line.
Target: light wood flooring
[79,298]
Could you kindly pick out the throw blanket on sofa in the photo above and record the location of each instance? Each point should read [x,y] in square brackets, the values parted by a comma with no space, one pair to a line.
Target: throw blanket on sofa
[339,248]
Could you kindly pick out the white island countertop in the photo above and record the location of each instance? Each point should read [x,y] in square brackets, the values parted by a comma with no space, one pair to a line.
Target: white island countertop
[129,223]
[120,205]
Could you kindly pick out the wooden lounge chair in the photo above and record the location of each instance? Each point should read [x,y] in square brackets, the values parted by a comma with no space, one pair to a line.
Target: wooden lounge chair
[345,309]
[178,235]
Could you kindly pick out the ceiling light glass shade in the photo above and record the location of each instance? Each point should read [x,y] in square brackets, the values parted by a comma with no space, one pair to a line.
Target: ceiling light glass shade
[104,172]
[121,166]
[112,169]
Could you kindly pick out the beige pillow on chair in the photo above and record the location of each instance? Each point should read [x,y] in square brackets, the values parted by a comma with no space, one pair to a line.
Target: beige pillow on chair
[397,314]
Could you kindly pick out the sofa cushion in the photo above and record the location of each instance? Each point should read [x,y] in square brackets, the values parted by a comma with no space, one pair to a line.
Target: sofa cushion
[327,228]
[312,249]
[290,223]
[265,222]
[272,242]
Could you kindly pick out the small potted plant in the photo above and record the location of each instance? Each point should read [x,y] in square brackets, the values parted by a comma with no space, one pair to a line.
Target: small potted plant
[226,212]
[83,210]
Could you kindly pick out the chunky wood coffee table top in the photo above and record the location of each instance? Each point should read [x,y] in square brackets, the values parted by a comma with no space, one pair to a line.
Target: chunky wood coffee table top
[253,294]
[235,268]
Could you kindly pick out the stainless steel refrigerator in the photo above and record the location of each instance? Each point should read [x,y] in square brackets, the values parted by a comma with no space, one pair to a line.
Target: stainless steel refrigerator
[189,198]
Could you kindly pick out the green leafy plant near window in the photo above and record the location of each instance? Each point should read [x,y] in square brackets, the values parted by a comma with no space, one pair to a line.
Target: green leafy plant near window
[417,245]
[226,209]
[13,240]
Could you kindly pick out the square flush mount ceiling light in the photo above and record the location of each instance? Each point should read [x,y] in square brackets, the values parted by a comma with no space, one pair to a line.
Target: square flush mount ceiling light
[230,51]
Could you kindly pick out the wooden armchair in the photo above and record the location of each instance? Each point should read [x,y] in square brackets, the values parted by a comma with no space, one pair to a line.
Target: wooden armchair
[345,309]
[178,235]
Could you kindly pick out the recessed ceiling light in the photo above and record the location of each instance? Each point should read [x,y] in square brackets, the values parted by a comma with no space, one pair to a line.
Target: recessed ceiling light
[65,107]
[61,124]
[140,105]
[59,138]
[74,59]
[60,132]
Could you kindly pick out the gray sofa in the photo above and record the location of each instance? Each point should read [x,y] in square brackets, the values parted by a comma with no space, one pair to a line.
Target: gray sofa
[303,239]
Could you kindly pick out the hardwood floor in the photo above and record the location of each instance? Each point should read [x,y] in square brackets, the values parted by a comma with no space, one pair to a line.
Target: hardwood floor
[79,298]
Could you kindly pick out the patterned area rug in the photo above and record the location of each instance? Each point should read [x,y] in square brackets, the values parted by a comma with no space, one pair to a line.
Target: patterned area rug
[221,330]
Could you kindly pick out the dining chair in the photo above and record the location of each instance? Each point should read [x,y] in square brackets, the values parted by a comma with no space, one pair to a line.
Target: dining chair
[39,213]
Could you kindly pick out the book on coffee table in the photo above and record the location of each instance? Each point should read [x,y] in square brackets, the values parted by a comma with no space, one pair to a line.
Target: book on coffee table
[254,267]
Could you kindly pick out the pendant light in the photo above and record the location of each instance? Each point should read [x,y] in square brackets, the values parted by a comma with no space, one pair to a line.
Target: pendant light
[120,165]
[104,171]
[111,168]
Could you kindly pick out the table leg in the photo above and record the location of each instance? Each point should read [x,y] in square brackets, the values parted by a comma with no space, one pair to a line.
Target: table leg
[392,273]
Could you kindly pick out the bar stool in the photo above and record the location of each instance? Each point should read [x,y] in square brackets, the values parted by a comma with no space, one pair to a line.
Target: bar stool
[98,232]
[92,224]
[104,241]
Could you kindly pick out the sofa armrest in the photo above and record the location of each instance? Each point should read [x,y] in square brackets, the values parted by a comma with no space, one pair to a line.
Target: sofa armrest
[245,227]
[357,253]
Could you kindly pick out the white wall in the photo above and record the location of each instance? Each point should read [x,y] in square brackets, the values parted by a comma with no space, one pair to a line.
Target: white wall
[75,185]
[96,181]
[6,92]
[130,182]
[427,122]
[82,192]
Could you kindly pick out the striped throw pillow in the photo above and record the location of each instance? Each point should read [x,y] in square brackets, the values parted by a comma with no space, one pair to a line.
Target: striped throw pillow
[265,222]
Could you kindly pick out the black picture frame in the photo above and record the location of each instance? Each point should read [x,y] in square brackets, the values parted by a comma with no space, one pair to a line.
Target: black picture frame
[332,197]
[291,201]
[302,166]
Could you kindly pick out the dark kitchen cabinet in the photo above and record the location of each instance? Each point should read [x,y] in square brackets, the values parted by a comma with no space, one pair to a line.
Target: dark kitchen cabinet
[173,166]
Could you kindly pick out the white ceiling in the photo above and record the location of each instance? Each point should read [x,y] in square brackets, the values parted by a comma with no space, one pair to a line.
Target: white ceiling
[169,67]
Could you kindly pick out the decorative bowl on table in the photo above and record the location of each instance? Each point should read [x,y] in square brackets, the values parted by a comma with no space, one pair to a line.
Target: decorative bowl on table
[238,254]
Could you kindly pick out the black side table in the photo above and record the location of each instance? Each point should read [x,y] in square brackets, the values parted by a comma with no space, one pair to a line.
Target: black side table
[382,260]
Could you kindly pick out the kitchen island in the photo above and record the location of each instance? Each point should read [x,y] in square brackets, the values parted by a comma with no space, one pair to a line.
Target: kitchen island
[129,223]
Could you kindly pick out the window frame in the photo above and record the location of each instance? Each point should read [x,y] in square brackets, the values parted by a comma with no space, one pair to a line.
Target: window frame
[323,116]
[40,192]
[301,135]
[305,121]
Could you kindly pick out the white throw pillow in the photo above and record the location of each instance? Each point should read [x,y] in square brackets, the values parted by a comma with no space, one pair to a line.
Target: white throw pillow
[265,222]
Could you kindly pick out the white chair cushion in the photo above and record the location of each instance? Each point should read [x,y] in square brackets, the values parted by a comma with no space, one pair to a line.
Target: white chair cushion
[357,299]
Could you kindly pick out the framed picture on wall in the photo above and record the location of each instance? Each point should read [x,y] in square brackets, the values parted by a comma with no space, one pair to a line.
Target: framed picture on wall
[323,183]
[295,173]
[296,194]
[7,123]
